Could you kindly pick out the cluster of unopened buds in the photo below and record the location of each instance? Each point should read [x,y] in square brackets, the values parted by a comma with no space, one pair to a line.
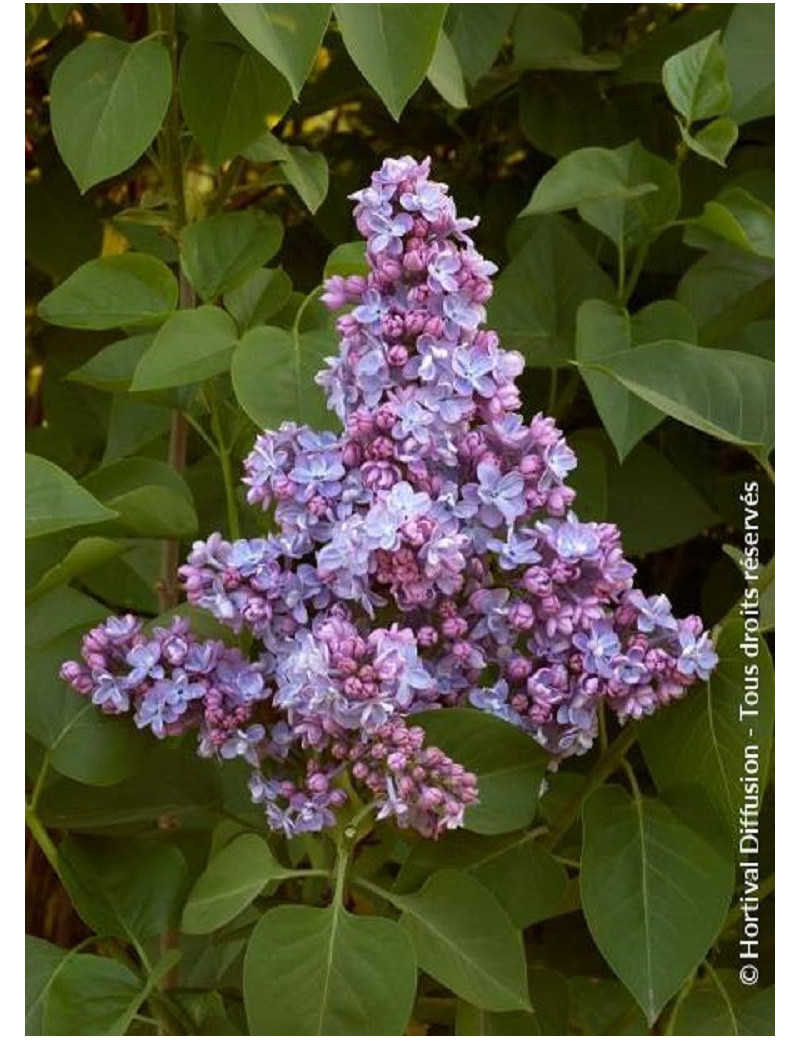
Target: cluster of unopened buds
[426,557]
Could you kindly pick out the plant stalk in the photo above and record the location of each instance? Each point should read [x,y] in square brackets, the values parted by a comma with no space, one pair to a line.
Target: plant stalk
[41,837]
[607,764]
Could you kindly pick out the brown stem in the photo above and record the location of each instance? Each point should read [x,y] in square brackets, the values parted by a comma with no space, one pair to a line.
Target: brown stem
[171,154]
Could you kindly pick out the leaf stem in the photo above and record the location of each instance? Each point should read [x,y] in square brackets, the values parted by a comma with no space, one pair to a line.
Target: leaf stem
[201,433]
[607,764]
[621,268]
[722,991]
[567,396]
[629,773]
[227,183]
[342,863]
[42,838]
[636,271]
[223,454]
[171,154]
[369,886]
[351,827]
[617,1026]
[39,783]
[302,308]
[602,729]
[686,989]
[766,466]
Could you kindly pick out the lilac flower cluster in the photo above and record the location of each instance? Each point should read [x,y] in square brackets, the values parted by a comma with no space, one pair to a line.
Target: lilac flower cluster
[426,556]
[172,682]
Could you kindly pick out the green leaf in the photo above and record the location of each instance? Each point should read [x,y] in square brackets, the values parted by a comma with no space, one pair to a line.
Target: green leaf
[601,1004]
[151,498]
[477,33]
[128,474]
[740,219]
[726,290]
[84,744]
[132,425]
[603,331]
[559,114]
[190,347]
[548,37]
[107,102]
[508,763]
[148,232]
[646,496]
[42,962]
[260,297]
[62,230]
[643,63]
[32,12]
[727,395]
[749,45]
[654,892]
[124,583]
[653,504]
[550,998]
[587,175]
[219,253]
[526,880]
[719,1005]
[344,975]
[273,376]
[112,368]
[231,882]
[464,939]
[537,295]
[247,92]
[702,739]
[55,501]
[128,289]
[696,81]
[473,1021]
[663,319]
[59,611]
[152,511]
[627,193]
[267,148]
[714,141]
[286,34]
[307,172]
[174,783]
[392,45]
[346,259]
[59,12]
[76,994]
[445,73]
[85,556]
[590,479]
[91,996]
[122,887]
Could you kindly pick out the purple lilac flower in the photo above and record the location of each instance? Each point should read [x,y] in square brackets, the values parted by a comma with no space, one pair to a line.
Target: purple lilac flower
[697,657]
[425,555]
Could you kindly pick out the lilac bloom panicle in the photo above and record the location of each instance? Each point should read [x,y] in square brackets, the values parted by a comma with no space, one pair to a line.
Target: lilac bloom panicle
[426,555]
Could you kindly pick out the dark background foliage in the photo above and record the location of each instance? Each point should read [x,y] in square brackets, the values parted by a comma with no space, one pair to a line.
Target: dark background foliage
[511,95]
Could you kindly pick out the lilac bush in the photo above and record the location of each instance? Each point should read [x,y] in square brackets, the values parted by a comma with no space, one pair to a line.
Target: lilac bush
[427,556]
